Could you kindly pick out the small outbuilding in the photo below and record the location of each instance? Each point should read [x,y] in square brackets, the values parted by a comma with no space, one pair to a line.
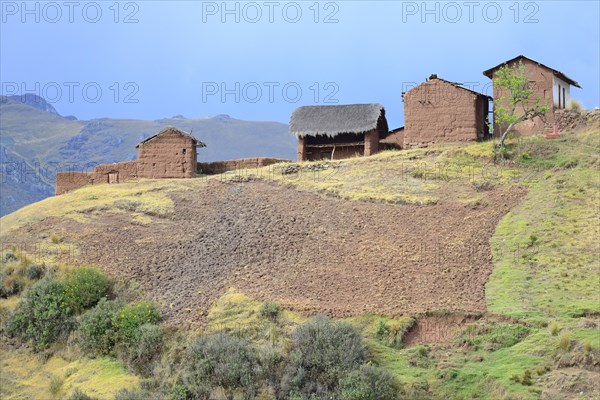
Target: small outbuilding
[338,131]
[171,153]
[440,111]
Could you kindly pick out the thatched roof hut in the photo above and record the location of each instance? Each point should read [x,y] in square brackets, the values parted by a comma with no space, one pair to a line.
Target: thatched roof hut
[336,119]
[339,131]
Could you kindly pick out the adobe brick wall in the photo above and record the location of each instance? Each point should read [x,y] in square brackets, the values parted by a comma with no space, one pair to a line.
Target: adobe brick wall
[371,142]
[437,112]
[219,167]
[542,89]
[67,181]
[301,150]
[169,155]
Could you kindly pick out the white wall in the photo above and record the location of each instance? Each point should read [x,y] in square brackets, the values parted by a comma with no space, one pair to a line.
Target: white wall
[556,82]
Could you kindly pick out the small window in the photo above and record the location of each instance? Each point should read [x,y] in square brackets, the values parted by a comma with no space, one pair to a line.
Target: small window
[184,151]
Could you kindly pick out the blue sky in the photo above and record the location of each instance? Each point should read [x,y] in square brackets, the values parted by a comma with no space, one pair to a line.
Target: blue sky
[156,59]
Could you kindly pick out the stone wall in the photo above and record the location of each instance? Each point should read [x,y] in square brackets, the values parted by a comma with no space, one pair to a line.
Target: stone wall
[219,167]
[571,120]
[169,155]
[437,112]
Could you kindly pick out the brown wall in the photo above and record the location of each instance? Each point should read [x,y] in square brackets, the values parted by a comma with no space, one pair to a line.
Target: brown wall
[218,167]
[122,171]
[437,111]
[160,157]
[371,142]
[164,157]
[66,181]
[542,89]
[394,140]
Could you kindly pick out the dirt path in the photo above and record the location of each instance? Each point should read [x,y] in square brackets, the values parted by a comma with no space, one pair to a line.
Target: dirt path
[306,251]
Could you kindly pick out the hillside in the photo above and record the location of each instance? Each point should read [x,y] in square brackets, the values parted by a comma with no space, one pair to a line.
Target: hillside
[37,138]
[467,278]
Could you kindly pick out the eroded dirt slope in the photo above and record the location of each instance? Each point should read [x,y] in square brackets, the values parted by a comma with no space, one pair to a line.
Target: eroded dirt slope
[308,251]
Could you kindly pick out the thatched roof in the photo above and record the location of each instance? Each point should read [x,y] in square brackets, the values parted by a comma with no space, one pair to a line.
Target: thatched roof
[490,72]
[334,120]
[176,130]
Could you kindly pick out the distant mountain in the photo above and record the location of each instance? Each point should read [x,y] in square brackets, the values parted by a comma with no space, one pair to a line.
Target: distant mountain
[36,141]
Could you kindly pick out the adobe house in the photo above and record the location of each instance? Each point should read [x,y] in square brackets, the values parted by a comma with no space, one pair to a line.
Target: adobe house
[171,153]
[440,111]
[552,87]
[339,131]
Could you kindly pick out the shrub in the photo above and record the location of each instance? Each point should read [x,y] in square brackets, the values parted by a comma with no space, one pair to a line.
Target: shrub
[34,271]
[575,105]
[131,317]
[270,310]
[85,287]
[8,257]
[79,395]
[10,285]
[97,332]
[55,385]
[554,328]
[564,341]
[145,347]
[323,350]
[43,316]
[392,332]
[221,360]
[368,383]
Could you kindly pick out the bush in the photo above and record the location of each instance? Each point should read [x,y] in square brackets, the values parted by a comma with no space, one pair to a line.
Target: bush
[43,316]
[85,287]
[368,383]
[97,332]
[34,271]
[55,385]
[145,347]
[323,351]
[10,285]
[8,257]
[564,341]
[131,317]
[270,310]
[221,360]
[79,395]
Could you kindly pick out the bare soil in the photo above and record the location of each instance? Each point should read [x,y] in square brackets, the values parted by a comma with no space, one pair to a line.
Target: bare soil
[307,251]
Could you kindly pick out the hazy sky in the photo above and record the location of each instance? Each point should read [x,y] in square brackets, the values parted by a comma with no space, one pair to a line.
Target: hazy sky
[260,60]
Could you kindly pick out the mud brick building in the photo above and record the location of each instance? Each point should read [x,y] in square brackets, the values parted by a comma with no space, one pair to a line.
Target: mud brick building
[440,111]
[340,131]
[171,153]
[551,87]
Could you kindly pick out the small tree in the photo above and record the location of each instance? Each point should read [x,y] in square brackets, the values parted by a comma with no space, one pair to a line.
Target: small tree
[515,104]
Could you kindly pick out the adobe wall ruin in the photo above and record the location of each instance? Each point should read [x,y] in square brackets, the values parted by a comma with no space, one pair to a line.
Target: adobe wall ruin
[218,167]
